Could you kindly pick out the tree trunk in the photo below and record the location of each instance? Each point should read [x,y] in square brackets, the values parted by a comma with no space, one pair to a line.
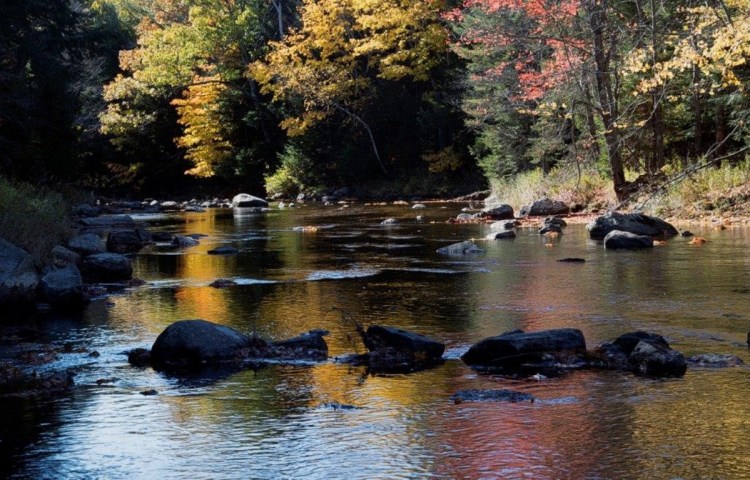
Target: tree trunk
[697,114]
[607,108]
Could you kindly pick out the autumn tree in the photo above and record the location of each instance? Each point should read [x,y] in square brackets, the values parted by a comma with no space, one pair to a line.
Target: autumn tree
[343,53]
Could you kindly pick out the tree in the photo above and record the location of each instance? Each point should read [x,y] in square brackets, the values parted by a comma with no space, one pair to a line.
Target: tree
[334,62]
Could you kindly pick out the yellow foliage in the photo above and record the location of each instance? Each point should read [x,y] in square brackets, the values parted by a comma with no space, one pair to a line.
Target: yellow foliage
[331,61]
[203,137]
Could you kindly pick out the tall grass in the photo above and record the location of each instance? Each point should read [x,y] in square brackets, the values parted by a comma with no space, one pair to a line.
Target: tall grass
[590,189]
[33,218]
[707,191]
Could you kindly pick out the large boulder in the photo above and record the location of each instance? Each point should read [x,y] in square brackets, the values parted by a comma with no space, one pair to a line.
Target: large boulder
[515,348]
[379,336]
[544,207]
[498,212]
[87,244]
[106,267]
[635,223]
[124,241]
[244,200]
[63,288]
[195,342]
[619,240]
[464,248]
[18,277]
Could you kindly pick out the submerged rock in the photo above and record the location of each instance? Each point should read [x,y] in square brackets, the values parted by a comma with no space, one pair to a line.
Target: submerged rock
[714,360]
[572,260]
[464,248]
[499,395]
[139,357]
[635,223]
[182,241]
[513,349]
[554,221]
[222,283]
[619,240]
[545,229]
[503,225]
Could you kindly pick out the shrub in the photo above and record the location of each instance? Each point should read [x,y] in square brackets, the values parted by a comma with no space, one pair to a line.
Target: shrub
[33,218]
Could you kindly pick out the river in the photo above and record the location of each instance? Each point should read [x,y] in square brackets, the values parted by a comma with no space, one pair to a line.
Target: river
[333,421]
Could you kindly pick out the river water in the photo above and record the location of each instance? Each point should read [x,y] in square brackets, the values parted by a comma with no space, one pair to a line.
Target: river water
[332,421]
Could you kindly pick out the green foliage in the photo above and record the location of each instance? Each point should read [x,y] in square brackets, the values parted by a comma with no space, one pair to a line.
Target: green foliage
[34,219]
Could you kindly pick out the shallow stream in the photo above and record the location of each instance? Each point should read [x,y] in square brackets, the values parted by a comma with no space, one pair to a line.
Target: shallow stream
[333,421]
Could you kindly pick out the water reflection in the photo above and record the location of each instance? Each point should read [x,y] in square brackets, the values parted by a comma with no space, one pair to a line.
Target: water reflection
[277,422]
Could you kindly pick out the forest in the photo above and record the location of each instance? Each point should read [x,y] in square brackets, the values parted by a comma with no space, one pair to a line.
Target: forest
[414,97]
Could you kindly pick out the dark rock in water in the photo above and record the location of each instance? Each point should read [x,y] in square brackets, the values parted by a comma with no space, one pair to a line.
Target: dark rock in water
[18,277]
[654,360]
[544,207]
[513,349]
[686,233]
[635,223]
[389,221]
[572,260]
[335,406]
[619,240]
[464,248]
[550,221]
[550,229]
[162,236]
[643,353]
[498,212]
[106,267]
[501,235]
[628,341]
[63,288]
[139,357]
[87,244]
[144,235]
[149,392]
[223,251]
[189,343]
[714,360]
[379,337]
[308,346]
[181,241]
[124,241]
[501,395]
[394,360]
[222,283]
[244,200]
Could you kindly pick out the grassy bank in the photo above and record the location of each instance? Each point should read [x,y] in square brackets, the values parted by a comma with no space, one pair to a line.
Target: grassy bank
[708,193]
[35,219]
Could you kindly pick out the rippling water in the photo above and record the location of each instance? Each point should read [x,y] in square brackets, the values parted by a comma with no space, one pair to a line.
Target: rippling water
[288,421]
